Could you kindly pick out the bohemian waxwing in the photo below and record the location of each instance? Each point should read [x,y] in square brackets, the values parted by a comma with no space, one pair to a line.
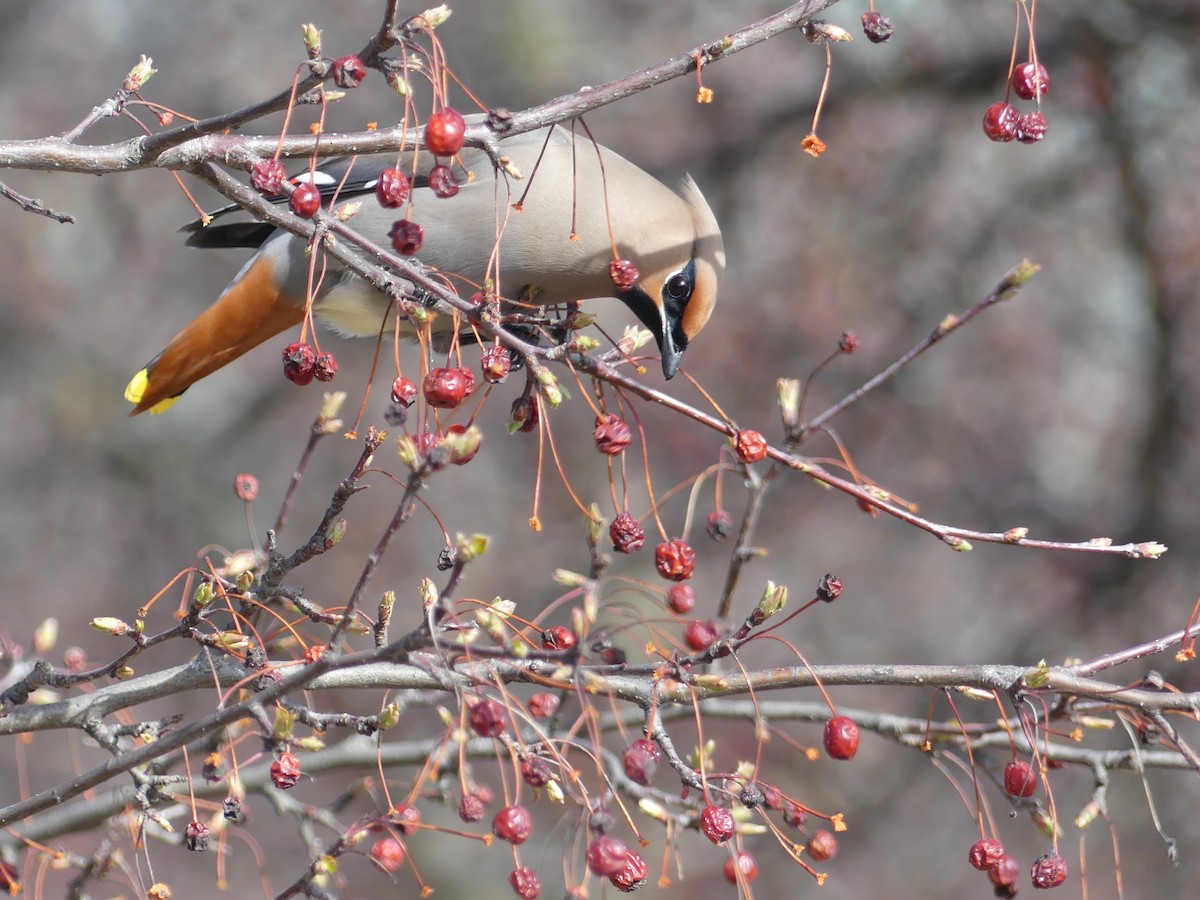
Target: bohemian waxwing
[671,237]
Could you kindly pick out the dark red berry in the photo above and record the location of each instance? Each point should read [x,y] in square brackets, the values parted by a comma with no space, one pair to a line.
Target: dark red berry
[195,836]
[391,190]
[444,132]
[641,760]
[524,416]
[388,853]
[716,823]
[822,845]
[443,182]
[1049,871]
[513,824]
[626,534]
[325,367]
[848,342]
[877,27]
[829,588]
[1031,128]
[406,236]
[495,363]
[406,818]
[460,457]
[794,814]
[841,737]
[743,863]
[525,883]
[719,525]
[268,176]
[543,705]
[535,771]
[245,486]
[1030,80]
[1005,872]
[1000,121]
[305,200]
[606,855]
[446,388]
[632,876]
[675,560]
[404,391]
[487,717]
[425,442]
[348,72]
[1019,779]
[750,446]
[985,853]
[231,809]
[470,808]
[700,635]
[624,274]
[285,771]
[681,598]
[299,363]
[558,638]
[611,435]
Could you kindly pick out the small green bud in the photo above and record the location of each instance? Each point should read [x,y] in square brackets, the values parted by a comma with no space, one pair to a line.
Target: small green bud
[337,531]
[774,599]
[140,74]
[389,716]
[788,391]
[204,594]
[471,547]
[45,637]
[111,625]
[312,40]
[285,721]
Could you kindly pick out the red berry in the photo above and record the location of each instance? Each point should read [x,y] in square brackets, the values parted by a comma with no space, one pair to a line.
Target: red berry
[446,388]
[406,236]
[877,27]
[841,737]
[245,486]
[719,525]
[285,771]
[391,190]
[465,455]
[623,273]
[1031,128]
[1000,121]
[829,588]
[426,441]
[405,818]
[700,635]
[487,717]
[558,638]
[348,72]
[611,435]
[443,182]
[470,808]
[513,824]
[743,863]
[299,363]
[985,853]
[606,856]
[794,814]
[325,367]
[268,176]
[626,534]
[389,853]
[848,342]
[1049,871]
[1005,872]
[404,391]
[196,836]
[632,876]
[675,560]
[1030,80]
[305,200]
[822,845]
[681,598]
[543,705]
[716,823]
[1019,779]
[750,446]
[444,132]
[495,363]
[641,760]
[535,771]
[525,883]
[524,416]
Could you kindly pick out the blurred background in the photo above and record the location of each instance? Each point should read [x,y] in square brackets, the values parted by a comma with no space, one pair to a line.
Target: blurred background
[1067,410]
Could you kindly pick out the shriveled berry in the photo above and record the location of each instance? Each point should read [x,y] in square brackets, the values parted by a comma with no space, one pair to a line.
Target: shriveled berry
[829,588]
[487,717]
[525,883]
[848,342]
[406,236]
[606,855]
[305,200]
[626,534]
[558,638]
[1048,871]
[719,525]
[632,876]
[675,560]
[1006,872]
[348,72]
[877,27]
[1000,121]
[495,364]
[299,363]
[231,809]
[985,853]
[543,705]
[404,391]
[268,176]
[325,367]
[700,635]
[1019,780]
[513,824]
[470,808]
[624,274]
[245,486]
[444,131]
[794,814]
[822,845]
[681,598]
[716,823]
[391,190]
[195,836]
[1030,79]
[443,182]
[285,771]
[388,853]
[743,863]
[406,818]
[535,771]
[641,760]
[611,435]
[446,388]
[524,415]
[750,446]
[841,737]
[1031,128]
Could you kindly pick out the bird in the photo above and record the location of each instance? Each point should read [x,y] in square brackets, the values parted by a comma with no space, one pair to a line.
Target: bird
[556,248]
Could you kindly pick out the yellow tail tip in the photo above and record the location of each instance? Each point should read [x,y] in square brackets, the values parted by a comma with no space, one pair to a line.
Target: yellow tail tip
[136,389]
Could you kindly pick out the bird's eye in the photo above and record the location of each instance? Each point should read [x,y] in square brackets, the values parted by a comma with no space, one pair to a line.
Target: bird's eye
[679,286]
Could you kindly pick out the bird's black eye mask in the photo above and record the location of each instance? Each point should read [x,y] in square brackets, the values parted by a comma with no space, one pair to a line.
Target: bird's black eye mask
[676,292]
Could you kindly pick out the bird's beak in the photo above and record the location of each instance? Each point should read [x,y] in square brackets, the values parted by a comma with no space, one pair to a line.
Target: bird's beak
[672,356]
